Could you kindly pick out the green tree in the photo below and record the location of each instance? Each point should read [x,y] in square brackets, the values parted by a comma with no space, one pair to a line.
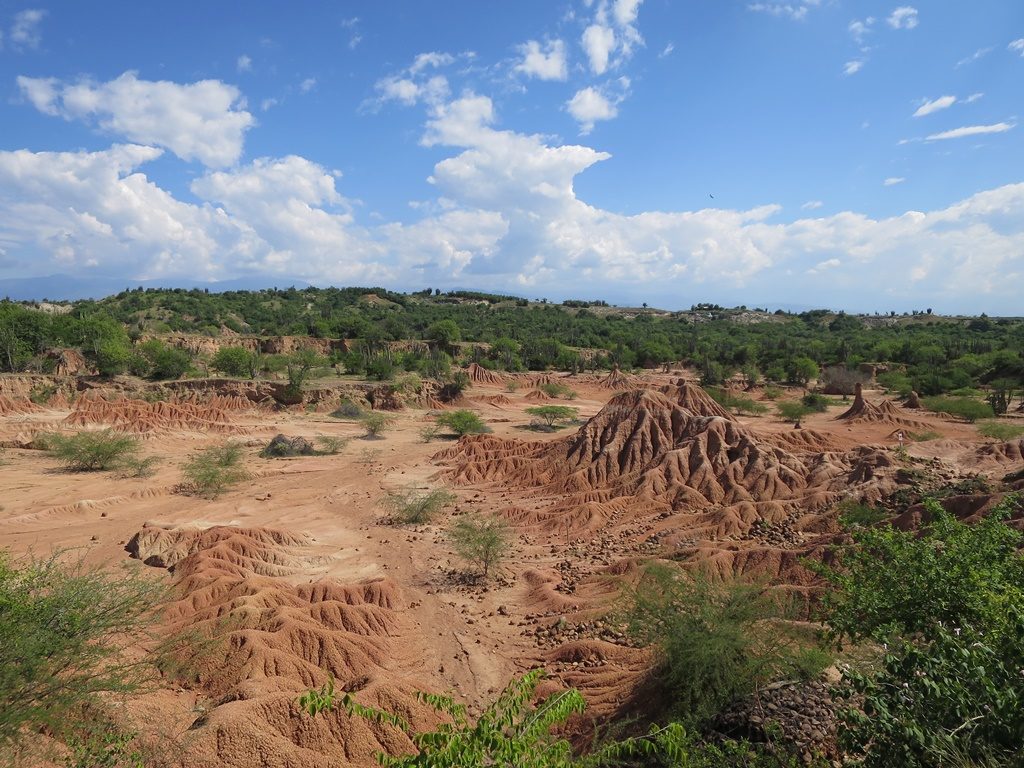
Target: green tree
[236,361]
[93,451]
[801,370]
[446,334]
[462,422]
[481,541]
[550,414]
[111,356]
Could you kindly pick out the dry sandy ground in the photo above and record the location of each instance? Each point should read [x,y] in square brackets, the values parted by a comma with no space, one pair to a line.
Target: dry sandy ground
[316,582]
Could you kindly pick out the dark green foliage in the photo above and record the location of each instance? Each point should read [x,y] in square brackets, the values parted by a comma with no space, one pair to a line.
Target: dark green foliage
[558,389]
[948,605]
[462,422]
[236,361]
[517,731]
[791,410]
[857,514]
[164,361]
[1001,430]
[93,451]
[736,403]
[62,630]
[297,368]
[716,642]
[815,402]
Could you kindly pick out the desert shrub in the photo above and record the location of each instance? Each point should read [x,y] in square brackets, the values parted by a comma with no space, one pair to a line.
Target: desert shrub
[412,506]
[92,451]
[512,386]
[716,642]
[63,628]
[483,542]
[558,389]
[772,392]
[1000,430]
[947,606]
[236,361]
[41,394]
[737,403]
[920,437]
[375,423]
[817,403]
[211,471]
[380,368]
[962,407]
[429,432]
[455,384]
[281,447]
[331,444]
[842,380]
[408,383]
[349,410]
[791,410]
[550,414]
[137,466]
[368,455]
[462,422]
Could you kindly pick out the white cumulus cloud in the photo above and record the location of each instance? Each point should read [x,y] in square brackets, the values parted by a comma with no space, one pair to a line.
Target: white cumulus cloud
[892,181]
[1018,46]
[853,67]
[544,63]
[589,106]
[204,121]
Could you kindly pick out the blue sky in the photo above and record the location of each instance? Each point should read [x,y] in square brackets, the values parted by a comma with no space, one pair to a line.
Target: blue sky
[864,155]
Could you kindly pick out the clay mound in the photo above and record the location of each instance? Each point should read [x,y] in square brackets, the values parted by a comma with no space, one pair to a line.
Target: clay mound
[10,406]
[1007,457]
[694,399]
[617,380]
[480,375]
[276,640]
[498,401]
[142,416]
[538,396]
[232,402]
[650,450]
[886,413]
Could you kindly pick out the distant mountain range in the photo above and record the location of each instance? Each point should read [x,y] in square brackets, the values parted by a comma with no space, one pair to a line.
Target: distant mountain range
[69,288]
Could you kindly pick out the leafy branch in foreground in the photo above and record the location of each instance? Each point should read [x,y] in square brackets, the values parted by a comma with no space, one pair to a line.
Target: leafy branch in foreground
[63,628]
[513,731]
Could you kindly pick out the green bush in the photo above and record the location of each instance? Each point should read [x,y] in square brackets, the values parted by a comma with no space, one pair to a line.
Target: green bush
[375,423]
[947,606]
[962,407]
[483,542]
[349,410]
[815,402]
[411,506]
[236,361]
[462,422]
[791,410]
[92,451]
[716,642]
[558,389]
[331,444]
[212,471]
[772,392]
[1001,430]
[857,514]
[164,361]
[63,628]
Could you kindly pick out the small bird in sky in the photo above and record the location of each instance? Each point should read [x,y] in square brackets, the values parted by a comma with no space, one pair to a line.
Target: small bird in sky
[712,197]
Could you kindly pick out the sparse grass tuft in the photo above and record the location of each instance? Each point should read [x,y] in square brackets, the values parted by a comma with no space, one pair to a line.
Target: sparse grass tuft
[412,506]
